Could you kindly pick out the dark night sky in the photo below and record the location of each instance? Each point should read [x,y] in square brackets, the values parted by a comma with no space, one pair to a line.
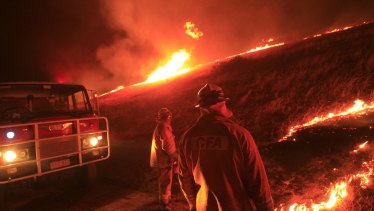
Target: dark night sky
[103,44]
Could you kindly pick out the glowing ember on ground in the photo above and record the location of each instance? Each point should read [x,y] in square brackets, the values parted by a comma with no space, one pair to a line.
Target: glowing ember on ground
[361,147]
[192,30]
[359,108]
[174,67]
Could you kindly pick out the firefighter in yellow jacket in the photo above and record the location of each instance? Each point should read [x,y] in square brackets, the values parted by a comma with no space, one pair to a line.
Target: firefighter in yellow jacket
[164,156]
[220,166]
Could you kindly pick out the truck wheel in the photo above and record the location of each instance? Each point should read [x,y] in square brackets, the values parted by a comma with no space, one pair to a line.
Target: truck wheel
[87,175]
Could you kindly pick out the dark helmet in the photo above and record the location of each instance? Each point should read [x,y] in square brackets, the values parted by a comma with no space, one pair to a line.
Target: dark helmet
[163,114]
[209,95]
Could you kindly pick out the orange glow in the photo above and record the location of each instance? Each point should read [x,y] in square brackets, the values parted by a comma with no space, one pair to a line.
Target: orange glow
[359,108]
[174,67]
[192,30]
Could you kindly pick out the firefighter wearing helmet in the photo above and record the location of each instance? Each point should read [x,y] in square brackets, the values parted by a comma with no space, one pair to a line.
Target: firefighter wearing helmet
[220,166]
[164,156]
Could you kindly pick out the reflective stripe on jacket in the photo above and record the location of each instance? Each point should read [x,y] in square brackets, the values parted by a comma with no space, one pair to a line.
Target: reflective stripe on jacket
[221,168]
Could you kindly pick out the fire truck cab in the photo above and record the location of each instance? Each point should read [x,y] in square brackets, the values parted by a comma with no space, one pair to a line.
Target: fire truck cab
[48,127]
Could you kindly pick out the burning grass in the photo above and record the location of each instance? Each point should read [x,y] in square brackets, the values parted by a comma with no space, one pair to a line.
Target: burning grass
[321,186]
[334,175]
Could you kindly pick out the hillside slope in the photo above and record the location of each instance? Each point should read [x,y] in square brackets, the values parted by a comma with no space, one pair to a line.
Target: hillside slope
[270,90]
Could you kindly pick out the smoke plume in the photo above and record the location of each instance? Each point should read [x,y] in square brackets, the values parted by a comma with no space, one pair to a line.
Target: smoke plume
[103,44]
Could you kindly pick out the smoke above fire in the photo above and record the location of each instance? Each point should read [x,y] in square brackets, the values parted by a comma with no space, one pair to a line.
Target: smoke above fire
[229,27]
[104,44]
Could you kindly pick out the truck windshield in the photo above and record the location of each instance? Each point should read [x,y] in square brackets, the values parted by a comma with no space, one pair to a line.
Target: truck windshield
[22,102]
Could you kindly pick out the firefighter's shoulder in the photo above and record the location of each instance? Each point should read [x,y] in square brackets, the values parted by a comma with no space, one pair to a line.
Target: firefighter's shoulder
[237,130]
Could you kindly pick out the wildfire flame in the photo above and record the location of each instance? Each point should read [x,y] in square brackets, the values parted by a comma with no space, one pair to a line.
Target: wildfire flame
[332,31]
[359,108]
[112,91]
[192,30]
[259,48]
[338,29]
[172,68]
[337,192]
[175,66]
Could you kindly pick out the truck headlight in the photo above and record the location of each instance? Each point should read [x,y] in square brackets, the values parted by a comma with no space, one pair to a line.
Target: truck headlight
[10,134]
[9,156]
[93,141]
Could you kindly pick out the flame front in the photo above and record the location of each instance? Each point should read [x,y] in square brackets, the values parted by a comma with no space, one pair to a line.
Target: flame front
[192,30]
[337,193]
[112,91]
[175,66]
[331,31]
[359,108]
[259,48]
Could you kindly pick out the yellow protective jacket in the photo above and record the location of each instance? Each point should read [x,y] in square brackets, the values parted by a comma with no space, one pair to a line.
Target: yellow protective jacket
[163,150]
[221,168]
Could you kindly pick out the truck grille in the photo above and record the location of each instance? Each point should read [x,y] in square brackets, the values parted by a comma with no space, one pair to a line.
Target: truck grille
[58,146]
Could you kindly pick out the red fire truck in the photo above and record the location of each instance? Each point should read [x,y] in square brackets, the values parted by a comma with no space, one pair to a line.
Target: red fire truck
[49,127]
